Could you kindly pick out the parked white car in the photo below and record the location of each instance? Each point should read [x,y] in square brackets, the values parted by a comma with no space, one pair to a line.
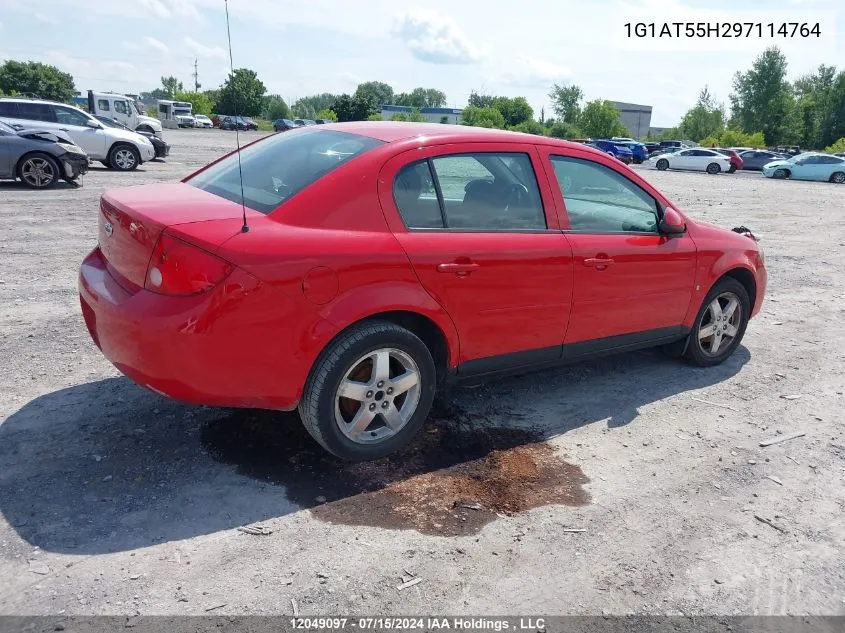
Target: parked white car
[696,158]
[116,148]
[200,120]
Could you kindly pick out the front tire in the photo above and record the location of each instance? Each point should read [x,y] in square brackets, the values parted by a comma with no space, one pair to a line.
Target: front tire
[837,177]
[732,169]
[781,174]
[39,171]
[720,324]
[369,392]
[713,169]
[124,157]
[662,164]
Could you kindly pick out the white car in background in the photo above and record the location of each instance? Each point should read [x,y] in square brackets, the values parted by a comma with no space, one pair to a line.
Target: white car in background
[114,147]
[694,159]
[200,120]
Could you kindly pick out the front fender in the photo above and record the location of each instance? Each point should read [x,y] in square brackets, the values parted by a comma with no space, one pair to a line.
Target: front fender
[391,296]
[713,266]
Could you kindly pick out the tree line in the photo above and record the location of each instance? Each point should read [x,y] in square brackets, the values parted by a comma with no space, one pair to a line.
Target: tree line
[766,109]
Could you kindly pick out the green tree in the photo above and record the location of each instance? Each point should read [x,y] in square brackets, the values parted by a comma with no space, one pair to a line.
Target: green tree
[276,108]
[399,116]
[171,86]
[327,115]
[706,118]
[762,97]
[308,107]
[200,102]
[600,119]
[480,101]
[482,117]
[833,121]
[738,138]
[242,94]
[377,93]
[514,110]
[350,108]
[562,129]
[422,98]
[529,127]
[154,95]
[375,116]
[836,148]
[35,78]
[566,101]
[444,119]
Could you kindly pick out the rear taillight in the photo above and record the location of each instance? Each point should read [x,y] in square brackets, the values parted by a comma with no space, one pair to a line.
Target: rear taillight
[178,268]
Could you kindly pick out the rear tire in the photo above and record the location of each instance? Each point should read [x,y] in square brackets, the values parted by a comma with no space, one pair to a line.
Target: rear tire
[713,168]
[124,157]
[837,177]
[373,420]
[662,164]
[718,332]
[39,171]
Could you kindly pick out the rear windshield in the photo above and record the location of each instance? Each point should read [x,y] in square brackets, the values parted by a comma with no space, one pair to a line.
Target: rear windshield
[280,166]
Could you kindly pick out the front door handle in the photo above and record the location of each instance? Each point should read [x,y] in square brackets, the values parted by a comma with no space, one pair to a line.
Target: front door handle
[457,268]
[598,262]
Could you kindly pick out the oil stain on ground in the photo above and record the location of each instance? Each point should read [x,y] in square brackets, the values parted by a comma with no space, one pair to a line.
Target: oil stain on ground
[457,476]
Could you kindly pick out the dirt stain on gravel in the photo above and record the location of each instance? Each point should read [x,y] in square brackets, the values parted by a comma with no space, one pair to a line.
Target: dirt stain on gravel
[458,475]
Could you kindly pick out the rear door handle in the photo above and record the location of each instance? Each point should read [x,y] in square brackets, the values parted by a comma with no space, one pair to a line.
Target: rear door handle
[456,268]
[598,262]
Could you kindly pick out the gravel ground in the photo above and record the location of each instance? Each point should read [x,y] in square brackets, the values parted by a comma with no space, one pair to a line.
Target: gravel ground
[116,501]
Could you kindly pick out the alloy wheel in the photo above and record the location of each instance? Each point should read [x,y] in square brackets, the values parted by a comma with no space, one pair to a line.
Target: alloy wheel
[38,172]
[124,159]
[377,396]
[720,324]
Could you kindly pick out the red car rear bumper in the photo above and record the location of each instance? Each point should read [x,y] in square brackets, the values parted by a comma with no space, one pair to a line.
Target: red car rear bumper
[225,347]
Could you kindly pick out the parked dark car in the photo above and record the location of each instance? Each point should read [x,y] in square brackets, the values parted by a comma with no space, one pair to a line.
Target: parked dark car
[237,122]
[303,122]
[282,125]
[615,149]
[162,149]
[323,121]
[753,160]
[651,146]
[668,144]
[639,151]
[39,158]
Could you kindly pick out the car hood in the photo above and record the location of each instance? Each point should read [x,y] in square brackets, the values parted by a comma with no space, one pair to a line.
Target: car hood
[778,163]
[127,135]
[735,237]
[153,123]
[57,136]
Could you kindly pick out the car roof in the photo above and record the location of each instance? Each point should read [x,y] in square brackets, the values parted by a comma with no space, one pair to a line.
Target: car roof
[394,131]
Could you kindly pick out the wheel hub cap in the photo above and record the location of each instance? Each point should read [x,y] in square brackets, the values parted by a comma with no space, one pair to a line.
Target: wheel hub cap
[719,324]
[377,396]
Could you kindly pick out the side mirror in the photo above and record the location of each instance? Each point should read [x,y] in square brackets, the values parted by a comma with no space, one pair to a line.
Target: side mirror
[92,123]
[672,223]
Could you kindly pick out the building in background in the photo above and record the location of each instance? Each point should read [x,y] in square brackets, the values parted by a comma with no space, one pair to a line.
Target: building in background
[637,118]
[432,115]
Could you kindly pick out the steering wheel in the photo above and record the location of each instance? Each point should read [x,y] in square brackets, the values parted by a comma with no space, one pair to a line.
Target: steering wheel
[517,196]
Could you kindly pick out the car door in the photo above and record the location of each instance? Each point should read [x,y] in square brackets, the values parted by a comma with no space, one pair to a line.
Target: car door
[122,112]
[75,123]
[681,159]
[631,284]
[6,169]
[480,229]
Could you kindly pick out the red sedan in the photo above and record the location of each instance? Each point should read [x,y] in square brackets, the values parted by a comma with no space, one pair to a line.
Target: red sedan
[736,159]
[371,263]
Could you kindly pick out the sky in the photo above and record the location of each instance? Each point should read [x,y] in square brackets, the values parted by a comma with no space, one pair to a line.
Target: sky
[301,47]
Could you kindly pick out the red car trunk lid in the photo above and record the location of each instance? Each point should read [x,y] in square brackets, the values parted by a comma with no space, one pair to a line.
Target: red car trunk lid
[131,220]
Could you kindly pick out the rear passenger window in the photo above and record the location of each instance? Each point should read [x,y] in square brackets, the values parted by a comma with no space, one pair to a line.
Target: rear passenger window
[8,108]
[477,192]
[36,112]
[599,200]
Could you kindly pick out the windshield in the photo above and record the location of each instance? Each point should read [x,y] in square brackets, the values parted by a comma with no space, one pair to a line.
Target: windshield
[110,122]
[7,128]
[277,168]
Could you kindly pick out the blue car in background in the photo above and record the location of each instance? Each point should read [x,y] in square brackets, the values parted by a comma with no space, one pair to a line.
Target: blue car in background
[614,148]
[639,150]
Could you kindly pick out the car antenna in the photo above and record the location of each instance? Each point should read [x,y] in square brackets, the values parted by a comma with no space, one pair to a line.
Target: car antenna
[245,227]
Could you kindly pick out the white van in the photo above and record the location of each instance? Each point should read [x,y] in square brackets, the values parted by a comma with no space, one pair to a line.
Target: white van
[122,109]
[115,148]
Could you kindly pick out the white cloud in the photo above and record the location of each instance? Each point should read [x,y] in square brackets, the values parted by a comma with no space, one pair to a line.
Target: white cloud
[434,38]
[45,19]
[157,45]
[131,46]
[533,72]
[157,7]
[201,50]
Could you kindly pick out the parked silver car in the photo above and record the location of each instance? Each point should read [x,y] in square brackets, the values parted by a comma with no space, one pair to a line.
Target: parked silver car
[40,158]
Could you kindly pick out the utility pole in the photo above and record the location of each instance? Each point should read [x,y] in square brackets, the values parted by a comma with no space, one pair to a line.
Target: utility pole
[197,85]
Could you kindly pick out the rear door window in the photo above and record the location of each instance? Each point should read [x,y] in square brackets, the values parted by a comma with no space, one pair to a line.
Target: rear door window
[36,112]
[278,167]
